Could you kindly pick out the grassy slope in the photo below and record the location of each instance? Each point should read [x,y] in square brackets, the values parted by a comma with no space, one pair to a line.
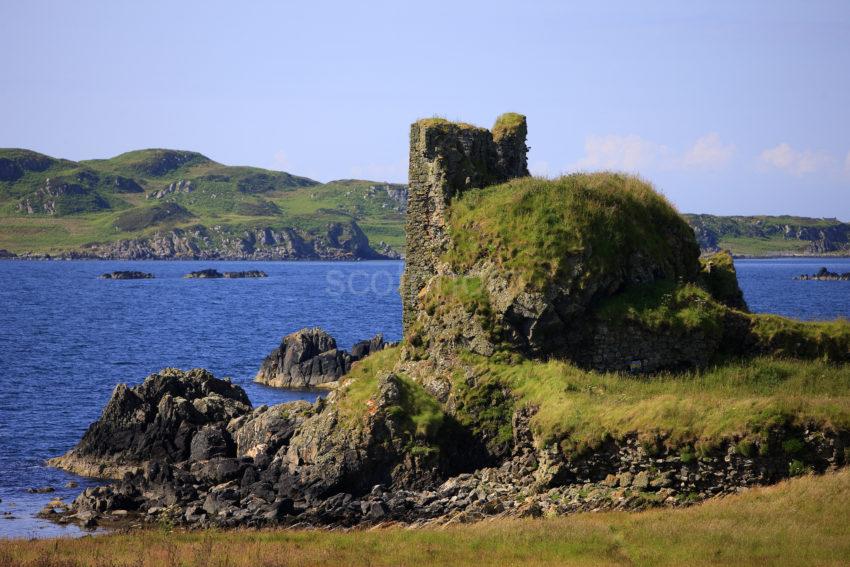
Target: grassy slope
[240,197]
[805,521]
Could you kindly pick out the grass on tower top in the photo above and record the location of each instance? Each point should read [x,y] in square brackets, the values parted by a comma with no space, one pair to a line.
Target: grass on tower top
[538,229]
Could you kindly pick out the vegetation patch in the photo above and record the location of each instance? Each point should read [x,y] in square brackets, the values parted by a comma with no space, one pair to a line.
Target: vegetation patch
[826,340]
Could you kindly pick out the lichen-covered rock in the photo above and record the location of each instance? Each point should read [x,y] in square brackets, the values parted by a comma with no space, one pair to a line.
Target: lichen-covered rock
[156,420]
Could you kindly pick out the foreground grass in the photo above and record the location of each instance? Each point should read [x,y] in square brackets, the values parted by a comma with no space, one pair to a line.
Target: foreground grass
[805,521]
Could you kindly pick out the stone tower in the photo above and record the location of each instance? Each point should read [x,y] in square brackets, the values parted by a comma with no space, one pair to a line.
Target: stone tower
[447,158]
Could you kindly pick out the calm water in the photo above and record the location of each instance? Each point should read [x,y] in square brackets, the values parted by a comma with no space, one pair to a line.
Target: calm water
[66,339]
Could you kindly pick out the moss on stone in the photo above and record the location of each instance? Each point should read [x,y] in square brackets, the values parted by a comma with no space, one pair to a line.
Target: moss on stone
[508,123]
[720,278]
[485,405]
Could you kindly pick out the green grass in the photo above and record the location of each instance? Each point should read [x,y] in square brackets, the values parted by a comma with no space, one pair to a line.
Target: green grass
[666,306]
[569,228]
[506,124]
[580,409]
[801,522]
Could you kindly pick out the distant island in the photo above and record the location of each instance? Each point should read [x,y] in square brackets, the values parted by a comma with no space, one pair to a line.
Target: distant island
[760,236]
[165,204]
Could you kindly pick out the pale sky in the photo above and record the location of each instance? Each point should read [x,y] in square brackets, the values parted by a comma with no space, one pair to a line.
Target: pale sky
[727,107]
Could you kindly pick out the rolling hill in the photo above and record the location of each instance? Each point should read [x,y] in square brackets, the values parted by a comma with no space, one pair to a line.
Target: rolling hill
[171,203]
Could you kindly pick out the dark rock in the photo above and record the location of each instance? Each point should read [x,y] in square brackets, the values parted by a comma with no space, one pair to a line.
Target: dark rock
[310,357]
[155,420]
[41,490]
[127,275]
[825,275]
[211,441]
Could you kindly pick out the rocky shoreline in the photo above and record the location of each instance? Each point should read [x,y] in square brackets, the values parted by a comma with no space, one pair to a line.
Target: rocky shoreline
[189,450]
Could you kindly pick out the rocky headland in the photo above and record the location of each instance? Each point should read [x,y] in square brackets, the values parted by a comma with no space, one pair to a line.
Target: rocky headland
[534,311]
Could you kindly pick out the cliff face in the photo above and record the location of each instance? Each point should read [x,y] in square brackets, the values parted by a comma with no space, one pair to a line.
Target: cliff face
[446,159]
[340,241]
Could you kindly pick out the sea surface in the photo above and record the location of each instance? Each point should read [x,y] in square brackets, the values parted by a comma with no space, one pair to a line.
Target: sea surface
[67,338]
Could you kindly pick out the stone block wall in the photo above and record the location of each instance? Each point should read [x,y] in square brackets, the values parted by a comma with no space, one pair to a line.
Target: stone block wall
[447,158]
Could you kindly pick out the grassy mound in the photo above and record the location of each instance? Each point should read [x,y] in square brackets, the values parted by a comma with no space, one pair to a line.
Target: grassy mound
[575,228]
[800,522]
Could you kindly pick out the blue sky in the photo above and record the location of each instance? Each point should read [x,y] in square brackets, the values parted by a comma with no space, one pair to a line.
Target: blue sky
[727,107]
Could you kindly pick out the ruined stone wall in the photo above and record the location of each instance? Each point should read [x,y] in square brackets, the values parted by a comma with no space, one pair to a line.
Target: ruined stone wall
[447,158]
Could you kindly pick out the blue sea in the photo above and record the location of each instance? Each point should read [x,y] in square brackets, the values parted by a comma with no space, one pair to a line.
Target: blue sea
[67,338]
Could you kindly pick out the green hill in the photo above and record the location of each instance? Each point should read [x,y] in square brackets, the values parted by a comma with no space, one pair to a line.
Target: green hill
[54,206]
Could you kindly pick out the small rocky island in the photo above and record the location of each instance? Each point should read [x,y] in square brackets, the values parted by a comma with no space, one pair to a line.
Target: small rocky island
[215,274]
[512,392]
[126,275]
[824,275]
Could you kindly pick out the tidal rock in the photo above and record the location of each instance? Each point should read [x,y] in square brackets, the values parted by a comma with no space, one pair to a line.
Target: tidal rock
[127,275]
[205,274]
[825,275]
[246,274]
[157,419]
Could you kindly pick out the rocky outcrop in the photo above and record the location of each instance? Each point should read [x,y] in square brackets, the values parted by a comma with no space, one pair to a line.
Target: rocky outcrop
[340,241]
[157,419]
[825,275]
[309,358]
[182,186]
[127,275]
